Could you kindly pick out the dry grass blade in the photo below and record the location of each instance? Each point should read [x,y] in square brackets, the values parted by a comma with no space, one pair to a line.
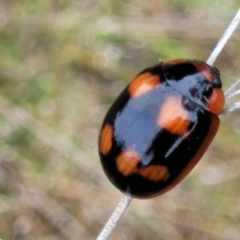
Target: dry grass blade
[228,33]
[113,220]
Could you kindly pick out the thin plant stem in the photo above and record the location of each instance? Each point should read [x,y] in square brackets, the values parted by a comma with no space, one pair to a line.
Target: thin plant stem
[114,219]
[231,108]
[231,92]
[126,200]
[228,33]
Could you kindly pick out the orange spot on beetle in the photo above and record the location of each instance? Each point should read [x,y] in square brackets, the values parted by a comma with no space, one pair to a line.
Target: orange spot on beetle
[154,173]
[105,142]
[127,163]
[216,101]
[215,122]
[205,70]
[173,116]
[142,84]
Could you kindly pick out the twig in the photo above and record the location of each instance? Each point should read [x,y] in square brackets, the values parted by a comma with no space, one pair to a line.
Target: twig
[228,33]
[114,219]
[126,200]
[231,108]
[231,92]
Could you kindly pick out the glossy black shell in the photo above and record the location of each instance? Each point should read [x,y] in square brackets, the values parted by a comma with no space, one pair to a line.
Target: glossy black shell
[133,122]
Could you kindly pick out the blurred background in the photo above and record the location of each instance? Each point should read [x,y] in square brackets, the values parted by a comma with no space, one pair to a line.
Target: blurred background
[62,63]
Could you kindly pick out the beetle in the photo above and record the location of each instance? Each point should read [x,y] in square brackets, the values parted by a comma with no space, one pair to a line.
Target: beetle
[160,126]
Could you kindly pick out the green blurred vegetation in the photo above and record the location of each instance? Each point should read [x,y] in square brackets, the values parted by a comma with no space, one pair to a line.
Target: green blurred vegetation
[62,63]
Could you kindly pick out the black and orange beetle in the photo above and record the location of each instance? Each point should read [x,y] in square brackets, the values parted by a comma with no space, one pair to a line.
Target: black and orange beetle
[160,126]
